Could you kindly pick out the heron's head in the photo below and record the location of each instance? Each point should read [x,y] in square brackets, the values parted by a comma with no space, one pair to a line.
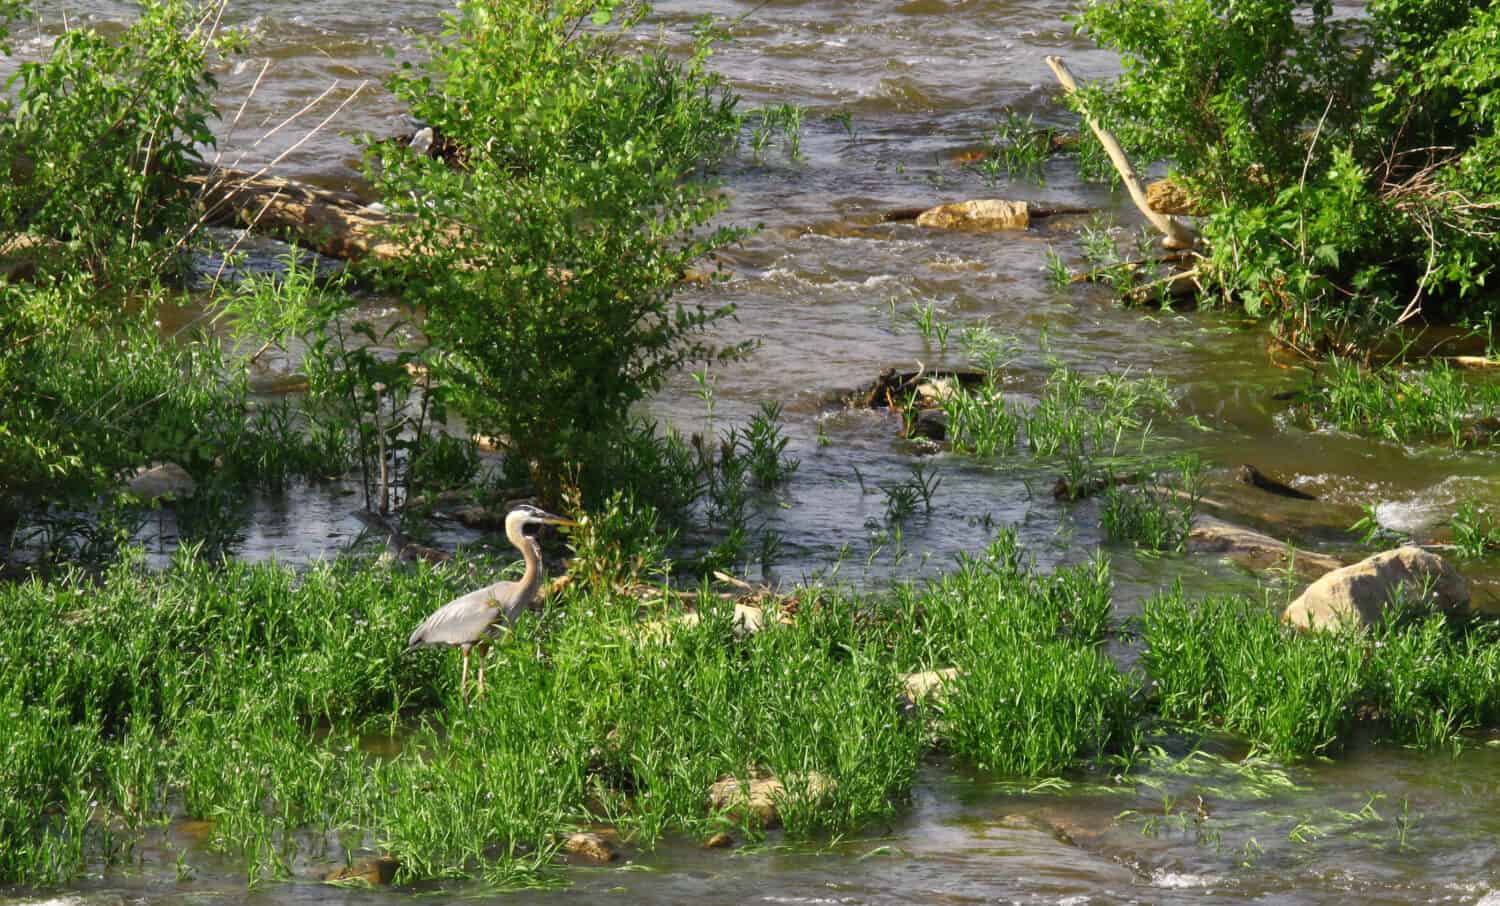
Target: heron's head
[525,515]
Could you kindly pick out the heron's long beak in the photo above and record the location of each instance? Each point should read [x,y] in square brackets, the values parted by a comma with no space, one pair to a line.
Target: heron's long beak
[550,519]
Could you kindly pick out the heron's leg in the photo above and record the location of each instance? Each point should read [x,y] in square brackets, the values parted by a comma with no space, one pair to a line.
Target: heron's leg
[463,683]
[481,648]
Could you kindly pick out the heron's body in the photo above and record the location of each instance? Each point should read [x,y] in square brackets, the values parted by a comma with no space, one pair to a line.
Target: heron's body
[468,620]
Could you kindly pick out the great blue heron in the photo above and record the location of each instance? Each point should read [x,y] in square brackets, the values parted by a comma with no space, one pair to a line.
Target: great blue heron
[466,621]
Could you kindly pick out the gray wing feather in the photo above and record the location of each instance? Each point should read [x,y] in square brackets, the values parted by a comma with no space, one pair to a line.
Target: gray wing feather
[467,619]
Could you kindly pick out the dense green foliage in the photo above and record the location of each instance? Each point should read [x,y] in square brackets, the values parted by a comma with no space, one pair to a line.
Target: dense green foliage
[1232,663]
[211,690]
[550,311]
[1349,166]
[96,138]
[546,315]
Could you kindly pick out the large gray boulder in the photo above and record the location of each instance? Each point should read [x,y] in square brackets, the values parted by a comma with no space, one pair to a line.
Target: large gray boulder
[1360,593]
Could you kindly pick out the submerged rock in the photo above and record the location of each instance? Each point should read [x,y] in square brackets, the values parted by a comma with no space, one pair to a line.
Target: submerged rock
[376,872]
[760,799]
[931,425]
[1256,551]
[591,846]
[1248,474]
[163,481]
[272,383]
[980,215]
[1360,593]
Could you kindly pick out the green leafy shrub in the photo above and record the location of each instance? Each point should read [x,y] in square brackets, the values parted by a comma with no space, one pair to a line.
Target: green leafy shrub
[1349,166]
[98,137]
[546,263]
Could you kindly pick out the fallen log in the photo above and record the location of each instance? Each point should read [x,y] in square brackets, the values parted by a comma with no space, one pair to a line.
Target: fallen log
[336,224]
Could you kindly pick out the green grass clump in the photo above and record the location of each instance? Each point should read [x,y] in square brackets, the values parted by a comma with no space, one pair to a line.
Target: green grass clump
[1433,403]
[1232,663]
[1035,693]
[1074,415]
[1156,512]
[1476,532]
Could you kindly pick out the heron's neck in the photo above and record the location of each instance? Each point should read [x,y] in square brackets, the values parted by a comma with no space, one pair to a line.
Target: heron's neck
[532,577]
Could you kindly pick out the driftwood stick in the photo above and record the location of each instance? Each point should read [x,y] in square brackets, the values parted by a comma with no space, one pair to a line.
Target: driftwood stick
[1178,234]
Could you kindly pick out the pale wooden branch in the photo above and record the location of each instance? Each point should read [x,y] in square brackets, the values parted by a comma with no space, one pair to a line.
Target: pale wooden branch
[1178,234]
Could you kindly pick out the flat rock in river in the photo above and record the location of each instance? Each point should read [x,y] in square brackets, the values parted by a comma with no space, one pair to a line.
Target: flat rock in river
[591,847]
[1256,551]
[1360,593]
[981,215]
[375,872]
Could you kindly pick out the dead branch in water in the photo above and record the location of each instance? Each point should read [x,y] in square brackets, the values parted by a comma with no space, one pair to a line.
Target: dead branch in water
[1178,234]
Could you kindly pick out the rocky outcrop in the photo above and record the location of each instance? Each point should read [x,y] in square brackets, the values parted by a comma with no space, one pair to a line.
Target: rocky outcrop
[20,253]
[476,516]
[1360,594]
[980,215]
[921,389]
[336,224]
[747,620]
[760,800]
[1168,197]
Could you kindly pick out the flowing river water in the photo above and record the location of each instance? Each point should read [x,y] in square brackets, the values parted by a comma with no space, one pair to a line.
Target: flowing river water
[826,288]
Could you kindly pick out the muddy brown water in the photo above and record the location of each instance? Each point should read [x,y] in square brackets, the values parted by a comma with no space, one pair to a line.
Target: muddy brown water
[920,81]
